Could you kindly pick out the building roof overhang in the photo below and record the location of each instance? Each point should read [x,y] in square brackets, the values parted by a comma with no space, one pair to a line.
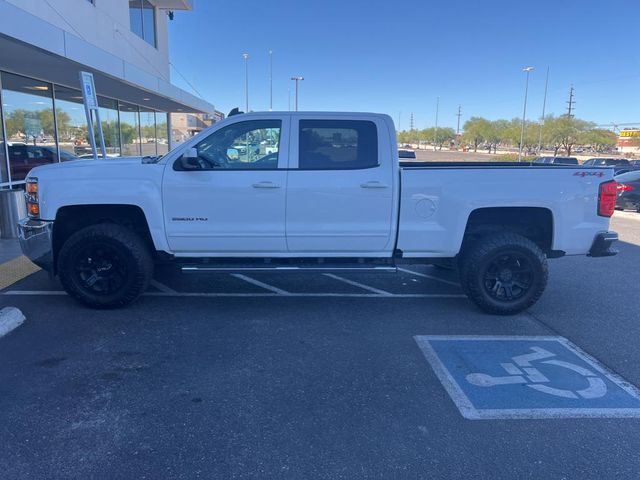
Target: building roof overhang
[173,4]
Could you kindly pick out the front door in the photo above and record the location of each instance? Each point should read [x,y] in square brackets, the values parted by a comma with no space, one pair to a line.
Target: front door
[230,199]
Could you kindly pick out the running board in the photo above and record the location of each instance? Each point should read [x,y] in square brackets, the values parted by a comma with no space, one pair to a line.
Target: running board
[288,268]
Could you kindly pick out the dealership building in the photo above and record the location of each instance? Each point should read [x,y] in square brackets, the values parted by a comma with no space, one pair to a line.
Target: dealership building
[124,43]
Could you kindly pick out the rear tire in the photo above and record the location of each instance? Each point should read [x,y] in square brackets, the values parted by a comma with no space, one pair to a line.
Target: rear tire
[504,273]
[105,266]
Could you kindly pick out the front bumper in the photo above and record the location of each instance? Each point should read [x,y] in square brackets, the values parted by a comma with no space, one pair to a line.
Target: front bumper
[36,242]
[601,246]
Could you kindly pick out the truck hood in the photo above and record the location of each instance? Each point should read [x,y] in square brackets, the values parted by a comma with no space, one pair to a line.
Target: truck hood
[87,163]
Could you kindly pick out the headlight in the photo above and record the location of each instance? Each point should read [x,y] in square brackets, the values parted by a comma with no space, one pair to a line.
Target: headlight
[31,194]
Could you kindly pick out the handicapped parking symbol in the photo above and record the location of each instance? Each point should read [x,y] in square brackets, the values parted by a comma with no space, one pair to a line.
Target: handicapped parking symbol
[521,371]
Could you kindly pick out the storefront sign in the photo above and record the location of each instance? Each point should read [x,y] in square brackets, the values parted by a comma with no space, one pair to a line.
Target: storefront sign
[91,107]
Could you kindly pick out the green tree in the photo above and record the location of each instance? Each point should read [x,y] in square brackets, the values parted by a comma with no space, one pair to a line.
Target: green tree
[476,130]
[599,139]
[497,133]
[438,137]
[15,122]
[128,132]
[513,131]
[409,136]
[551,133]
[564,132]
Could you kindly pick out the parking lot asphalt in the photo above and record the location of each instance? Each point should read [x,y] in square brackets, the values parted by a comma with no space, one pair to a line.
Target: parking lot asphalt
[301,376]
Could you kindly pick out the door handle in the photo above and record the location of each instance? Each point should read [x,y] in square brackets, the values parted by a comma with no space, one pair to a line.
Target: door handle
[265,185]
[374,184]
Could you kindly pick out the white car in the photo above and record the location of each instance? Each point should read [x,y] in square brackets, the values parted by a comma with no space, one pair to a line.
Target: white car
[333,196]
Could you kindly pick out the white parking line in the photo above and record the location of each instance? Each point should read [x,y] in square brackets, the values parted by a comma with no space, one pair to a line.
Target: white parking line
[430,277]
[161,286]
[258,283]
[357,284]
[271,295]
[10,318]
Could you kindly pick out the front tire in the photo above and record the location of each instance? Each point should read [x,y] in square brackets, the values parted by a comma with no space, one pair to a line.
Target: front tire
[105,266]
[504,273]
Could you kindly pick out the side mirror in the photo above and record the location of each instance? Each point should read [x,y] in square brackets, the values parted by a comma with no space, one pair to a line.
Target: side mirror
[190,153]
[189,159]
[233,153]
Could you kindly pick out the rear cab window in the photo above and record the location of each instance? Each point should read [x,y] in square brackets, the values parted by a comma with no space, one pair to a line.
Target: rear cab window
[337,144]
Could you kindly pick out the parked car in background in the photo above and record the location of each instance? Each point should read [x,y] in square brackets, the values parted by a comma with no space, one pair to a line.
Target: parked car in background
[620,165]
[23,157]
[628,191]
[556,160]
[406,154]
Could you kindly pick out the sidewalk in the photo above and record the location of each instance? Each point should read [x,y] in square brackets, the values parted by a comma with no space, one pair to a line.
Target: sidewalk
[13,265]
[9,249]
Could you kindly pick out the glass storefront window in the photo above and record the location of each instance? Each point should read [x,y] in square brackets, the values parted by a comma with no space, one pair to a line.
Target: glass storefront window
[129,129]
[109,118]
[28,115]
[72,123]
[162,134]
[4,174]
[148,131]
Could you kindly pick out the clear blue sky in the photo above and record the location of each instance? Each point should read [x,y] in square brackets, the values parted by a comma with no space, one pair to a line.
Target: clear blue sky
[398,56]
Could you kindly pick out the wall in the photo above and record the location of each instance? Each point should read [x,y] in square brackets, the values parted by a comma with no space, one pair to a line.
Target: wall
[106,26]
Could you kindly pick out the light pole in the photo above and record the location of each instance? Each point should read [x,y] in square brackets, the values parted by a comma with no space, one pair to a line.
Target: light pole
[270,80]
[297,79]
[527,70]
[435,132]
[544,106]
[246,81]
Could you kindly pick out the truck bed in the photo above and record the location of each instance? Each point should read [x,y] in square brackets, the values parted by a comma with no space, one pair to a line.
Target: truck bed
[413,164]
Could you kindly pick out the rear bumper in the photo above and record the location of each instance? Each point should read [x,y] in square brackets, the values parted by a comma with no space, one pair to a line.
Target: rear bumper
[601,246]
[36,242]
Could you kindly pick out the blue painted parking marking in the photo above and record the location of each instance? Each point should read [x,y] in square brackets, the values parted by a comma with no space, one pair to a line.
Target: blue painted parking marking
[501,377]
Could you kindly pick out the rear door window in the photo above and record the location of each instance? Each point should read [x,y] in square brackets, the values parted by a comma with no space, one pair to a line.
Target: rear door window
[337,145]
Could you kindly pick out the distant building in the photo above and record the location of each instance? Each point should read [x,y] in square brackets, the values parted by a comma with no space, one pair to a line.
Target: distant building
[124,43]
[186,125]
[629,140]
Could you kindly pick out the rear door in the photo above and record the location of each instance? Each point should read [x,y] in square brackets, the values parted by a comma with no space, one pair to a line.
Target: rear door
[340,188]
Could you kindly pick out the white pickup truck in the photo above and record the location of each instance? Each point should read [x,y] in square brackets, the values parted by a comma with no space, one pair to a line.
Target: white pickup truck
[311,191]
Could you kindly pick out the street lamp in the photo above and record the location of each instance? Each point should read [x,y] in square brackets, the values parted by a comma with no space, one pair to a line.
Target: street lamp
[544,107]
[246,81]
[527,70]
[297,79]
[270,80]
[435,131]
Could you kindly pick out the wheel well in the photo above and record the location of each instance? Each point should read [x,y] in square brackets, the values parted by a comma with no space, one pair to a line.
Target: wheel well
[73,218]
[534,223]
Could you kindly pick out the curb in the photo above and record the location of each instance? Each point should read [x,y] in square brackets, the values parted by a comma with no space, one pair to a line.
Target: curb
[10,318]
